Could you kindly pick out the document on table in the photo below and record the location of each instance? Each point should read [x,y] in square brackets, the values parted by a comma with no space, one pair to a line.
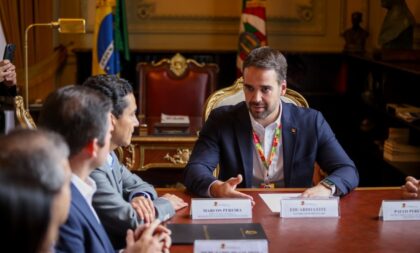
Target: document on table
[272,200]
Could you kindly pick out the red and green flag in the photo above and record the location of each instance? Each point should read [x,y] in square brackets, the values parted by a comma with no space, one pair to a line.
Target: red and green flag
[252,31]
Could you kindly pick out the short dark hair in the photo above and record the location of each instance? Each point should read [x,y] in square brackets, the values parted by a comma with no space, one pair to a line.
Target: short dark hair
[267,58]
[78,113]
[113,87]
[31,175]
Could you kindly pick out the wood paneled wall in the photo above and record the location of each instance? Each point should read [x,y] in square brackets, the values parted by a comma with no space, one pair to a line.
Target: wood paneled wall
[212,25]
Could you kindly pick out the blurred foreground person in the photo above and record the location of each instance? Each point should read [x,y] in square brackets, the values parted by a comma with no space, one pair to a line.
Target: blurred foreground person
[34,190]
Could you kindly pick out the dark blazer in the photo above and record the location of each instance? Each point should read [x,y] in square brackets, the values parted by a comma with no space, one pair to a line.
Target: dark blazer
[82,232]
[8,91]
[226,139]
[7,94]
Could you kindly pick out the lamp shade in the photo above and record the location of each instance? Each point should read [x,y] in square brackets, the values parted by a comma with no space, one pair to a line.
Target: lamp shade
[70,25]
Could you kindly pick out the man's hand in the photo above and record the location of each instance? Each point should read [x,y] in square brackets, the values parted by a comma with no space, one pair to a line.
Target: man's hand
[411,189]
[227,189]
[317,191]
[148,238]
[7,73]
[176,202]
[144,208]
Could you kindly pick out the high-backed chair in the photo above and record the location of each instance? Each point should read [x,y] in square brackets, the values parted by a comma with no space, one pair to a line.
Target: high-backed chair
[176,86]
[234,94]
[22,115]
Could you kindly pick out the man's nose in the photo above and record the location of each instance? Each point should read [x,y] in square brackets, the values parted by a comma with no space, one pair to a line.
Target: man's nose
[256,96]
[136,121]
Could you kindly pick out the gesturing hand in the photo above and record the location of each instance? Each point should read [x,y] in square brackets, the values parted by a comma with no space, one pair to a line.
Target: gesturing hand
[227,189]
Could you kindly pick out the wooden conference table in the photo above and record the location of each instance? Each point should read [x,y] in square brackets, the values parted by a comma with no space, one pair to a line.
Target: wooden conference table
[357,230]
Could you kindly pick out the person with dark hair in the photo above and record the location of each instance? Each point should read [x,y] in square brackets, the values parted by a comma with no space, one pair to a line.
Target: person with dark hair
[34,189]
[83,117]
[122,197]
[263,142]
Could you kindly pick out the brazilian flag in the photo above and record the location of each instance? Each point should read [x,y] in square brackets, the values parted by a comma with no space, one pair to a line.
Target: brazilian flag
[105,56]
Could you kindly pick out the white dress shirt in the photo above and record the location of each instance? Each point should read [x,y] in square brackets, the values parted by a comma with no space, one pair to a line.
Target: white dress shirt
[275,170]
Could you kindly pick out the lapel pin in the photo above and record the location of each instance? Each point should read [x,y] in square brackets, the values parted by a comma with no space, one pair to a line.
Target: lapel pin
[293,130]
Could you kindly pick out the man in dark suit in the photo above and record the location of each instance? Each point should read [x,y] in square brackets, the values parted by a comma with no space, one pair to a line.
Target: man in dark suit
[83,117]
[264,142]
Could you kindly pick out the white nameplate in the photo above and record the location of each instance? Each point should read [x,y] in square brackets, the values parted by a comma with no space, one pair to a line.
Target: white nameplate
[165,118]
[310,207]
[400,210]
[230,246]
[221,209]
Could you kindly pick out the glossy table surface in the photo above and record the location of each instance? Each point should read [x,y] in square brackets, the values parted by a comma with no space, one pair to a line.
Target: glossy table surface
[357,230]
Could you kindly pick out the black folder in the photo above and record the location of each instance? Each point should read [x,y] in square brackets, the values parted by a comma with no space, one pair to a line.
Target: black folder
[188,233]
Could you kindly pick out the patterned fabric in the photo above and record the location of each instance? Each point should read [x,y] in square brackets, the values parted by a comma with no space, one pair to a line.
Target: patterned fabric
[252,31]
[257,142]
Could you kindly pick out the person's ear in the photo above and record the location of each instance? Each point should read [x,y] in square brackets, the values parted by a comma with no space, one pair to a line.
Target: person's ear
[283,87]
[92,147]
[113,121]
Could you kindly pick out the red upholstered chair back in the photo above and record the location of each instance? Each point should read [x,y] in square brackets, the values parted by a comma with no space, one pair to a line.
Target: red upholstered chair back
[176,86]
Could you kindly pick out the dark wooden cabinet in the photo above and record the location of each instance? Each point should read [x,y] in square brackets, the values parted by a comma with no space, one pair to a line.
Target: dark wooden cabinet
[372,85]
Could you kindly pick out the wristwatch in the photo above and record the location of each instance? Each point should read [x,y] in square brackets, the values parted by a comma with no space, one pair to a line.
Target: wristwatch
[329,184]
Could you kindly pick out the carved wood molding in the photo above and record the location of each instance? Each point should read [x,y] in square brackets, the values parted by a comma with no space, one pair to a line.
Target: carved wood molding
[300,17]
[178,64]
[297,10]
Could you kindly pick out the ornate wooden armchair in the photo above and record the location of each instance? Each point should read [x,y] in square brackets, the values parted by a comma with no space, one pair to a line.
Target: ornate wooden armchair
[176,86]
[22,115]
[234,94]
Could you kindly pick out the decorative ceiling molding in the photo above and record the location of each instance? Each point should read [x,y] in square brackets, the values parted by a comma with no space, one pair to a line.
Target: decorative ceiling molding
[309,18]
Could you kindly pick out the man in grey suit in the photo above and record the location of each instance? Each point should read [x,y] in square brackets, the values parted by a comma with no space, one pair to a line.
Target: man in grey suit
[123,200]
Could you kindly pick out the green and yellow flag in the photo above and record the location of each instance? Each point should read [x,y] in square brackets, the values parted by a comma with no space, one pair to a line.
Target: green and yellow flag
[110,37]
[121,31]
